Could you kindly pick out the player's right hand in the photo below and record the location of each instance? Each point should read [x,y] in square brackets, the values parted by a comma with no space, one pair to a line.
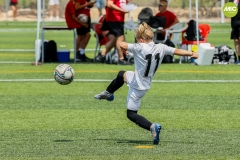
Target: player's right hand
[194,55]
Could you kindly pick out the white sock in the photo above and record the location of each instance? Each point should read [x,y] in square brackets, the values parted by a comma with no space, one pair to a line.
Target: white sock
[82,51]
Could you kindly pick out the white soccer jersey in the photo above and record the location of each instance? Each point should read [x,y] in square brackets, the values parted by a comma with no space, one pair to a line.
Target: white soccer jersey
[147,58]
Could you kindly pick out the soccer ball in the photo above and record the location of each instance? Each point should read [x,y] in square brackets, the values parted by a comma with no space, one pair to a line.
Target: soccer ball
[83,18]
[64,74]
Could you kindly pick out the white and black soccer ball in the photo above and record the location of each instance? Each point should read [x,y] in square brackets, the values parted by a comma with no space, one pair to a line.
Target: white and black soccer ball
[83,18]
[63,74]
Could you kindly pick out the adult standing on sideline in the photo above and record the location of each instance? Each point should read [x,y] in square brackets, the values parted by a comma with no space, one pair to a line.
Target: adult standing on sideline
[115,21]
[54,8]
[235,34]
[13,4]
[100,5]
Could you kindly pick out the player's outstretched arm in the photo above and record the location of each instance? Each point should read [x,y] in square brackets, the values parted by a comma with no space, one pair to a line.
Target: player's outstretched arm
[181,52]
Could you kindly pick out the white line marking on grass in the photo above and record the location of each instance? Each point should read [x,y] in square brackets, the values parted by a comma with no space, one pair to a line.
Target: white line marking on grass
[13,62]
[196,81]
[17,50]
[18,30]
[107,80]
[33,50]
[50,80]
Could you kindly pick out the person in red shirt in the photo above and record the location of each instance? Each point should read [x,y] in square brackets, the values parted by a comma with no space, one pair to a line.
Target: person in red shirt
[71,19]
[170,17]
[83,7]
[115,21]
[70,16]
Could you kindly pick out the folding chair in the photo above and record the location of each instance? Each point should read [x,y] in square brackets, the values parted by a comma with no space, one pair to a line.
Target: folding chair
[175,30]
[204,30]
[100,39]
[174,33]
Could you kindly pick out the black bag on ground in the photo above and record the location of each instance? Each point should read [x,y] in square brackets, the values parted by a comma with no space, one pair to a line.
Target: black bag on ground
[191,31]
[145,14]
[223,53]
[50,52]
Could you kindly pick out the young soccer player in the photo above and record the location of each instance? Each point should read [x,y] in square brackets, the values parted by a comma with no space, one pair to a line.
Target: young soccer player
[147,58]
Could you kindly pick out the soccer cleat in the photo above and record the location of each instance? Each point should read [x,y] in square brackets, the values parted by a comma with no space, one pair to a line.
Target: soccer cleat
[87,59]
[105,95]
[155,130]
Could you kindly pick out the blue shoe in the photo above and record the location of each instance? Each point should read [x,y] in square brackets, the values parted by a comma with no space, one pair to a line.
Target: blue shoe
[105,95]
[155,130]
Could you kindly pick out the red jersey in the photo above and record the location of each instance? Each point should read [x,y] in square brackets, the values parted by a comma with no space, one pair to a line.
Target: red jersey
[114,15]
[170,17]
[69,11]
[14,1]
[85,10]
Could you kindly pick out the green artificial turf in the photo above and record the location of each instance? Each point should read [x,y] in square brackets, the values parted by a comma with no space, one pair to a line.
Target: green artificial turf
[197,106]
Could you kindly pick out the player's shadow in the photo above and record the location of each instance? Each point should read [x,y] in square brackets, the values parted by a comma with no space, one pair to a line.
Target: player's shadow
[126,141]
[63,140]
[142,141]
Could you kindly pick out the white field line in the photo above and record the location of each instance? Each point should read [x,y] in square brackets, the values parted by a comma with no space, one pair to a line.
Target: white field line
[18,30]
[34,30]
[33,50]
[12,62]
[107,80]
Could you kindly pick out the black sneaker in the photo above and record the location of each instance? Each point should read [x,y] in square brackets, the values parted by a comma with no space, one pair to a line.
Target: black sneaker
[123,62]
[100,58]
[80,57]
[87,59]
[77,55]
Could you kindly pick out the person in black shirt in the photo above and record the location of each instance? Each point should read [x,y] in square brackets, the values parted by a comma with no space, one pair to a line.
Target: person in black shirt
[235,34]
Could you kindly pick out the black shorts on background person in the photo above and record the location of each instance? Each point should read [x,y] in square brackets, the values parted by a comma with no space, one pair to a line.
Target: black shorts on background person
[83,30]
[116,28]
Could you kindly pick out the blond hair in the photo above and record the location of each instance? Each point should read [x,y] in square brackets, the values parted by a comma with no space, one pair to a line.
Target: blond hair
[144,32]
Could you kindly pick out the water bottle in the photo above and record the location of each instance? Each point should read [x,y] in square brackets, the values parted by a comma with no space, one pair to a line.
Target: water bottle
[131,22]
[232,60]
[216,60]
[216,51]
